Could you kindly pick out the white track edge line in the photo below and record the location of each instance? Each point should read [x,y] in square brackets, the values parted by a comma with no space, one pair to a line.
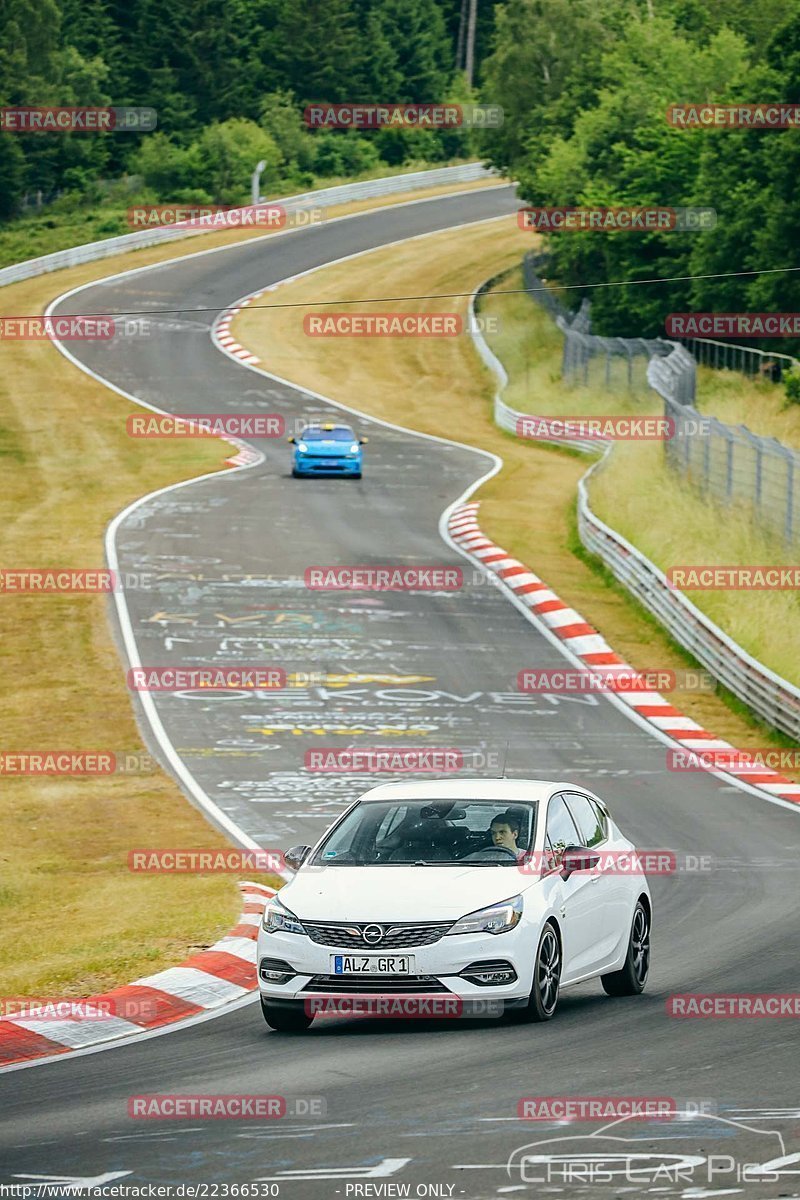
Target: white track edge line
[182,771]
[618,703]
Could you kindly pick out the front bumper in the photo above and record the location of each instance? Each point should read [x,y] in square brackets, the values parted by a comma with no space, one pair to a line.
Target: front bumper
[308,464]
[437,968]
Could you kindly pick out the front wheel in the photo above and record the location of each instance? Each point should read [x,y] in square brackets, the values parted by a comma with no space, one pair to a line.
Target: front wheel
[631,979]
[543,999]
[285,1018]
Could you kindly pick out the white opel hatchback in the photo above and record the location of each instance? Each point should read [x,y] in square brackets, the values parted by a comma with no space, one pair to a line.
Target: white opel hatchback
[468,889]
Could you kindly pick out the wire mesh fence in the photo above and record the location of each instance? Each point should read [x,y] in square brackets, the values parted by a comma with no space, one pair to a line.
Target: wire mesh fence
[614,364]
[726,356]
[730,463]
[727,464]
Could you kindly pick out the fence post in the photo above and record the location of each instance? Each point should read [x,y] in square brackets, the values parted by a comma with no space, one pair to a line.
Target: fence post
[729,464]
[789,496]
[759,459]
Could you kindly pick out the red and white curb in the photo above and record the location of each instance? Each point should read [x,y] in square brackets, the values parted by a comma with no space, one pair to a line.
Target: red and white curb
[246,456]
[591,648]
[217,976]
[222,330]
[221,334]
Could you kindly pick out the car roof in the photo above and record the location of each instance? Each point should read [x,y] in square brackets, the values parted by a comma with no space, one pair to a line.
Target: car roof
[503,790]
[325,425]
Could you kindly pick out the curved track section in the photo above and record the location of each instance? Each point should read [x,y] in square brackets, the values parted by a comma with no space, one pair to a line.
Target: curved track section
[409,1104]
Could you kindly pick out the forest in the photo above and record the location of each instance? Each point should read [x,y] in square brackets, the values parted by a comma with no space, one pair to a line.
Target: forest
[584,85]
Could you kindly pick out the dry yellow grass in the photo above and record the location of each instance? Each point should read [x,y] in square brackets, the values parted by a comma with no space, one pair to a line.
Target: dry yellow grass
[673,526]
[529,345]
[440,386]
[74,920]
[636,493]
[739,400]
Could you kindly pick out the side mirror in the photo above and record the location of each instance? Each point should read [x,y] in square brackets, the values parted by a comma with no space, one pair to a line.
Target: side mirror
[296,856]
[577,858]
[363,441]
[290,439]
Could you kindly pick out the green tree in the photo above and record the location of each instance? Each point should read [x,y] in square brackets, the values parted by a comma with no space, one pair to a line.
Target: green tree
[424,53]
[544,69]
[168,169]
[344,153]
[227,152]
[279,115]
[12,175]
[318,50]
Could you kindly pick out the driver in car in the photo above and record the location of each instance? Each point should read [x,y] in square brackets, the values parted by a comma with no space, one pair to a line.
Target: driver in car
[505,831]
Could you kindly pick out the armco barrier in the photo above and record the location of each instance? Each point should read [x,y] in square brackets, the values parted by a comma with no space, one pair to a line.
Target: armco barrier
[324,198]
[772,698]
[505,416]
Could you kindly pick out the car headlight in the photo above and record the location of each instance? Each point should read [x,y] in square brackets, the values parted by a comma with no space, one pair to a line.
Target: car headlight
[498,918]
[354,448]
[277,917]
[302,447]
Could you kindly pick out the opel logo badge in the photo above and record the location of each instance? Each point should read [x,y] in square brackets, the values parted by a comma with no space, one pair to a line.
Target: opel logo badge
[372,934]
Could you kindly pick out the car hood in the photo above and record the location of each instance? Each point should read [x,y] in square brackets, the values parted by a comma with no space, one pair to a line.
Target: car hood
[332,449]
[397,893]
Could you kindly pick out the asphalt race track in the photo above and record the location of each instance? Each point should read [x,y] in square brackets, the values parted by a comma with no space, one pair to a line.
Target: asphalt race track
[423,1103]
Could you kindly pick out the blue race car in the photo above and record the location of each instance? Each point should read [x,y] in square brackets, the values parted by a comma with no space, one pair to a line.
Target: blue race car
[327,450]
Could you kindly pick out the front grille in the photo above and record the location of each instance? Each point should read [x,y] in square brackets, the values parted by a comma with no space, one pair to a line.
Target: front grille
[395,937]
[371,984]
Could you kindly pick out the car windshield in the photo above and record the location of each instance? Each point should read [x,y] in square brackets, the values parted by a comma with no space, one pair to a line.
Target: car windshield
[430,833]
[340,434]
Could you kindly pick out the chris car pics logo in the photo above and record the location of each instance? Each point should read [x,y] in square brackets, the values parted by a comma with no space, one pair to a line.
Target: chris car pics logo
[694,1152]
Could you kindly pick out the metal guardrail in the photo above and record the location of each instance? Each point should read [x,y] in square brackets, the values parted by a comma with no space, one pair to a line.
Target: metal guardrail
[513,422]
[504,415]
[324,198]
[772,698]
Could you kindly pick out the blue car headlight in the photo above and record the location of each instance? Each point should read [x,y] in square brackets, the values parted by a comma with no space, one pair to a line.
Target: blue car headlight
[302,447]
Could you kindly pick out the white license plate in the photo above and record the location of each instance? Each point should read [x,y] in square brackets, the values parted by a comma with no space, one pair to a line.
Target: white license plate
[368,964]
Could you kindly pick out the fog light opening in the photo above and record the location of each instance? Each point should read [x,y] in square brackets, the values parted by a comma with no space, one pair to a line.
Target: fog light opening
[489,974]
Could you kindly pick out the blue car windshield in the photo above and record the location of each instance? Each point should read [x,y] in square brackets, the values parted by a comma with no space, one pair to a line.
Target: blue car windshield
[340,434]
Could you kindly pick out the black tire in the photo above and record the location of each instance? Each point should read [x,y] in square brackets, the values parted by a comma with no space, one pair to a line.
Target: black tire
[631,980]
[286,1018]
[543,999]
[295,474]
[357,475]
